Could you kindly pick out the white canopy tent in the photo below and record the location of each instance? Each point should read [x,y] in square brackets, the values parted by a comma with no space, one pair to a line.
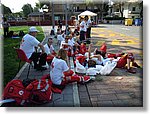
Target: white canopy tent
[88,13]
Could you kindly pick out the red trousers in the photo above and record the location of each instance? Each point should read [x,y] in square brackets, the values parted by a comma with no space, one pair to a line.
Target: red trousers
[69,78]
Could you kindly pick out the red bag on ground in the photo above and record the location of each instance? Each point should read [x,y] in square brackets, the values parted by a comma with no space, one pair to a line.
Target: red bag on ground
[83,49]
[122,61]
[54,89]
[15,90]
[40,91]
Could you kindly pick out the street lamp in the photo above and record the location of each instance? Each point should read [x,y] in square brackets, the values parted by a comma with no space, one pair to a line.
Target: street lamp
[40,12]
[53,18]
[66,14]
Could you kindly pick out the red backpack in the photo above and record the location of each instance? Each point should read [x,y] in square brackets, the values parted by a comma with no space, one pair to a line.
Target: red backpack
[40,91]
[15,90]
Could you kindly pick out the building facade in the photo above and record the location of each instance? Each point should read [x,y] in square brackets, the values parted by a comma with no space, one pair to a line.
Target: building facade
[130,9]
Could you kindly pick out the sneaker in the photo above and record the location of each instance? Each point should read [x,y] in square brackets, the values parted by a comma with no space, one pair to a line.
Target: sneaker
[131,71]
[135,65]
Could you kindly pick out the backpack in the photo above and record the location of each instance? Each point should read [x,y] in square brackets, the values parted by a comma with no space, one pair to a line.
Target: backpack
[21,33]
[15,90]
[40,91]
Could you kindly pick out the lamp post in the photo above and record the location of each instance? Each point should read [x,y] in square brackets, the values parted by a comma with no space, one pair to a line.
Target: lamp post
[53,20]
[66,15]
[40,11]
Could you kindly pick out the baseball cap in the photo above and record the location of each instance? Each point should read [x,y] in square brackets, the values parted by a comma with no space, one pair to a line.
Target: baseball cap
[33,29]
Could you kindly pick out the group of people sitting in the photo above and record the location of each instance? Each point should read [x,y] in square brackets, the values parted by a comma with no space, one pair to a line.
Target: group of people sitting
[61,72]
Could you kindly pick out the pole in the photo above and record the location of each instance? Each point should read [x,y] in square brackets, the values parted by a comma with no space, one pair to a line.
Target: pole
[66,15]
[53,22]
[39,19]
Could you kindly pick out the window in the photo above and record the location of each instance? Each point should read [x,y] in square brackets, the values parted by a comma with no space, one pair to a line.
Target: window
[133,8]
[117,10]
[132,17]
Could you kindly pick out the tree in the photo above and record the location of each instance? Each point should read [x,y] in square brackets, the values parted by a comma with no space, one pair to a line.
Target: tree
[37,7]
[120,6]
[27,9]
[141,12]
[6,10]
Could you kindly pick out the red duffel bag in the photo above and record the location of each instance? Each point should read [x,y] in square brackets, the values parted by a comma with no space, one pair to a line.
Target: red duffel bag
[15,90]
[41,91]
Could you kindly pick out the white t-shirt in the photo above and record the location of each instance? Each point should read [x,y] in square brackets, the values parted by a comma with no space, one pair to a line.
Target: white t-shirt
[58,67]
[83,24]
[60,38]
[28,43]
[71,42]
[64,43]
[48,50]
[88,23]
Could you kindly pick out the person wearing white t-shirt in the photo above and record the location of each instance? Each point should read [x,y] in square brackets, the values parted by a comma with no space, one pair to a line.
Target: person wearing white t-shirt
[49,49]
[65,44]
[60,73]
[88,25]
[82,29]
[59,38]
[28,45]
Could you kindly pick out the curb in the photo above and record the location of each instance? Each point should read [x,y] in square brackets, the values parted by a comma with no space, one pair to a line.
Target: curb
[20,71]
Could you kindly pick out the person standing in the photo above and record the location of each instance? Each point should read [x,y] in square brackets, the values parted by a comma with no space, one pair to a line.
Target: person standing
[60,24]
[88,25]
[82,29]
[28,44]
[5,25]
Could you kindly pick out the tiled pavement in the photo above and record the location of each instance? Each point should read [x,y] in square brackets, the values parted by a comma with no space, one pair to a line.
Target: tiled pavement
[119,89]
[110,91]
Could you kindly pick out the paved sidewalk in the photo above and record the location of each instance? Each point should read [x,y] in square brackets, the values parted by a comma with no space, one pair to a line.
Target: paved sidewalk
[119,89]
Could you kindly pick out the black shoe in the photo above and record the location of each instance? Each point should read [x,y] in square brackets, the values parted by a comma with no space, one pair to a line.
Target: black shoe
[41,68]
